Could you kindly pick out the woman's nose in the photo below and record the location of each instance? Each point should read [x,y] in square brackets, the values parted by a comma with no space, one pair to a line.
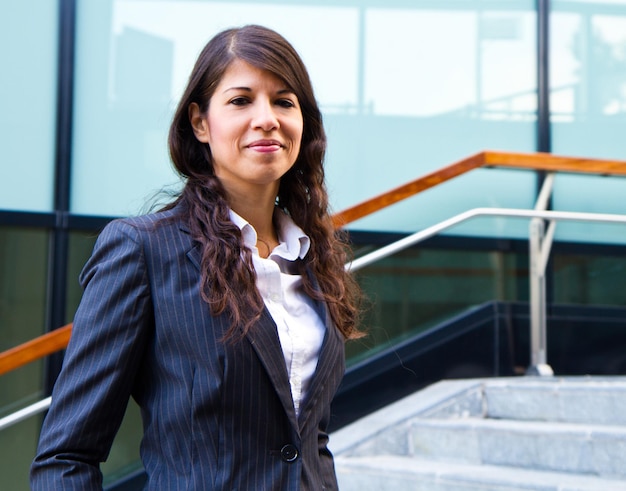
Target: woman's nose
[265,116]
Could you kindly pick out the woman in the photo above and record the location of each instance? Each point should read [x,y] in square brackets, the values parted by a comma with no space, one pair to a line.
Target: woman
[225,314]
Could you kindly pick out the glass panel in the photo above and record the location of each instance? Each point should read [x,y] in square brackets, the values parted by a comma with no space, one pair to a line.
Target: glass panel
[28,34]
[420,288]
[19,443]
[488,188]
[431,99]
[23,263]
[395,105]
[590,279]
[588,103]
[23,254]
[124,457]
[80,247]
[595,194]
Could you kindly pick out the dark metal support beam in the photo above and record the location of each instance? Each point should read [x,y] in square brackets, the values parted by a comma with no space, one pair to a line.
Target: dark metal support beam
[544,133]
[59,237]
[544,137]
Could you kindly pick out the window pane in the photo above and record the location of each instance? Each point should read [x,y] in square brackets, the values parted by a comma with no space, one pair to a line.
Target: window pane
[419,288]
[23,263]
[80,247]
[589,279]
[439,84]
[588,103]
[23,254]
[28,34]
[19,443]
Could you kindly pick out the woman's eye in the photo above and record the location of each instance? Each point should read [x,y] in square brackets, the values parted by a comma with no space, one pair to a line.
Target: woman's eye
[285,103]
[239,101]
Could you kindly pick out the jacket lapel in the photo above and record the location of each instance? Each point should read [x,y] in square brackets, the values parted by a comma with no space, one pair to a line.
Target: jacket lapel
[263,337]
[330,366]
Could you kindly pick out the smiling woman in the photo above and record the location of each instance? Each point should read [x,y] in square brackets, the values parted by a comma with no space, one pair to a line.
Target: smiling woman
[232,351]
[253,126]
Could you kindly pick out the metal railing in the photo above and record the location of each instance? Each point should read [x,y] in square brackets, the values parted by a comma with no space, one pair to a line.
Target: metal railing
[25,413]
[540,242]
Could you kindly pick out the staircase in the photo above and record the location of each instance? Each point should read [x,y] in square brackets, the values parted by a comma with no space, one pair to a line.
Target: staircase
[504,434]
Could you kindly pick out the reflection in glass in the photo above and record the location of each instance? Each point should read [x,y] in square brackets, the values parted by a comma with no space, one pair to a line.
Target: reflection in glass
[28,104]
[588,104]
[588,61]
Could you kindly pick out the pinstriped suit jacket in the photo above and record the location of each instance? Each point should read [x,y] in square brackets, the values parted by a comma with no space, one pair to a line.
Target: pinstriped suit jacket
[216,416]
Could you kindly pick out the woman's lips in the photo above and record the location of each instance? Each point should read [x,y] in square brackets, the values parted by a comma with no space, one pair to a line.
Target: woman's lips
[265,145]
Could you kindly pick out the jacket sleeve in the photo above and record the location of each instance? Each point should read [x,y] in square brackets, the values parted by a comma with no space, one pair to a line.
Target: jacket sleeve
[90,396]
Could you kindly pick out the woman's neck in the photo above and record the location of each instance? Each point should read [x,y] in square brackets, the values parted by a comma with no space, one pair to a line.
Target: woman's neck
[259,214]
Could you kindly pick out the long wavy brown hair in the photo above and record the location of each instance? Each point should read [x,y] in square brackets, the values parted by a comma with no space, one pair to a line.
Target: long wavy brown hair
[228,282]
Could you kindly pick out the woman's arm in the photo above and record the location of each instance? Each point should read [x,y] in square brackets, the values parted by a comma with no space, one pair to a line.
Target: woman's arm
[91,394]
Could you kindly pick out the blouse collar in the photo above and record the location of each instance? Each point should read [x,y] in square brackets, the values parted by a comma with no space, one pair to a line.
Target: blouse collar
[293,242]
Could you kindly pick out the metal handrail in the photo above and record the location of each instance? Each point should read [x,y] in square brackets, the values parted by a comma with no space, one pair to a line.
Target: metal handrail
[538,338]
[539,249]
[433,230]
[24,413]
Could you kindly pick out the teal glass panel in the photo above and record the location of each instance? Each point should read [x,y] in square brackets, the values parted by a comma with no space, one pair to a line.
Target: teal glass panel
[418,288]
[588,106]
[28,35]
[23,263]
[17,450]
[124,457]
[23,266]
[404,90]
[441,82]
[80,247]
[590,279]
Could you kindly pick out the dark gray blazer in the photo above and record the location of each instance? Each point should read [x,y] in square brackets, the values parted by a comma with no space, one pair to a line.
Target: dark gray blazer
[216,416]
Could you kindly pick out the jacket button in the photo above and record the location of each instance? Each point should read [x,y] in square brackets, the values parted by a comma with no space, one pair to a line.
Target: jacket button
[289,453]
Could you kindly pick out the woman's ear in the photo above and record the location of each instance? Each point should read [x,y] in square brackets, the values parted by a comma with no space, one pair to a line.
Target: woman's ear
[198,123]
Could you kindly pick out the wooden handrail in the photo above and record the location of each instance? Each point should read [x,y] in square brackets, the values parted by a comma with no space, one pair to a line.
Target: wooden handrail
[57,340]
[407,190]
[555,163]
[530,161]
[35,349]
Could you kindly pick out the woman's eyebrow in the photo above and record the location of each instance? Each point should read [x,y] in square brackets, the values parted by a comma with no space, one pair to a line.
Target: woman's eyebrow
[248,89]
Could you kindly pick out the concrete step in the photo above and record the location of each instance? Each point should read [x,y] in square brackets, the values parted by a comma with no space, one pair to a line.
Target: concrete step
[567,433]
[588,400]
[561,447]
[397,473]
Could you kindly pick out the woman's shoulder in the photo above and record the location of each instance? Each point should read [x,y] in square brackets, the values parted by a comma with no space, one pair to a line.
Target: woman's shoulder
[152,223]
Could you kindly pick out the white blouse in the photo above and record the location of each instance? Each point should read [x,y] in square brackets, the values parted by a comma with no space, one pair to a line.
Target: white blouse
[300,329]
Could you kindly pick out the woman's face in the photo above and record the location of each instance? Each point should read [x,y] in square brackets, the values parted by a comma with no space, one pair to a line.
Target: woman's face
[253,126]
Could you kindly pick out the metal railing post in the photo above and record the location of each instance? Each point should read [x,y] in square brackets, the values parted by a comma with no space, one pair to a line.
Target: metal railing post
[538,310]
[539,245]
